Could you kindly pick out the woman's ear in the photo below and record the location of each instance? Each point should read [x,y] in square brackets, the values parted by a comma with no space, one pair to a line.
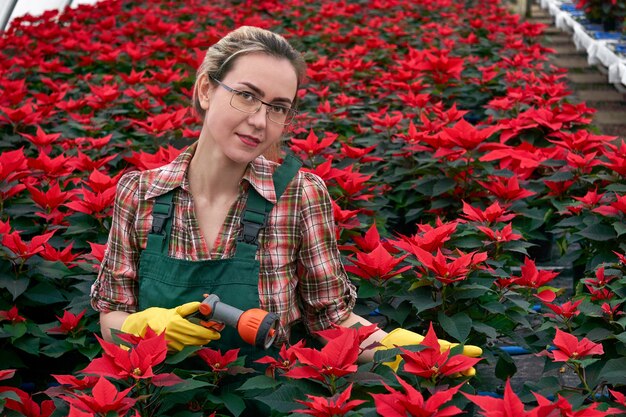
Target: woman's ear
[204,91]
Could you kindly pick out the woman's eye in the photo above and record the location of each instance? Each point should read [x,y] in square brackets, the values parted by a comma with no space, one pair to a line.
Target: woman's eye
[246,96]
[279,109]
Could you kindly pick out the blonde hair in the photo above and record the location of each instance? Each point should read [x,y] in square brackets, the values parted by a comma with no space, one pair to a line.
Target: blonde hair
[244,40]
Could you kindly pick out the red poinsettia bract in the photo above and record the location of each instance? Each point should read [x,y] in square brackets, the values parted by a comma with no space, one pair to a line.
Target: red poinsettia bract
[433,363]
[508,406]
[336,359]
[329,407]
[135,363]
[362,333]
[568,347]
[429,239]
[449,272]
[313,145]
[506,189]
[99,204]
[565,311]
[504,235]
[532,277]
[614,209]
[11,315]
[217,361]
[104,398]
[411,401]
[70,323]
[492,214]
[26,406]
[378,264]
[22,250]
[285,360]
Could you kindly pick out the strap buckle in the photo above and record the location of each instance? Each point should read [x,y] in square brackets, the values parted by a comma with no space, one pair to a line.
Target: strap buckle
[250,232]
[252,222]
[159,218]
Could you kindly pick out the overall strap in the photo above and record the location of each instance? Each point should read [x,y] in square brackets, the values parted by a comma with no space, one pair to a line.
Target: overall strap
[254,217]
[159,236]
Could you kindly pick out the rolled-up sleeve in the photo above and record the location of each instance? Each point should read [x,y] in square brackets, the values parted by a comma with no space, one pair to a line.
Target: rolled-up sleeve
[325,290]
[115,288]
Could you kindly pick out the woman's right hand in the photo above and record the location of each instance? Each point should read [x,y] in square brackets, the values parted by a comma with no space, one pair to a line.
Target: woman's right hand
[179,332]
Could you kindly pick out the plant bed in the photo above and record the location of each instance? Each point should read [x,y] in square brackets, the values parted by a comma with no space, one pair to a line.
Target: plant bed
[448,144]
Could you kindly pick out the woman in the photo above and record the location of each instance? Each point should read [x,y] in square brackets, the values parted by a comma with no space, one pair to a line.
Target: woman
[190,227]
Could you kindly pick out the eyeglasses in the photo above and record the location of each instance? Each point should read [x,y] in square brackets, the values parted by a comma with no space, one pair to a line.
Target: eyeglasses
[247,103]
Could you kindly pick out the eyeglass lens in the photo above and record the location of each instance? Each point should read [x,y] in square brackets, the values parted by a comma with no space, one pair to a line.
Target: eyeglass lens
[247,103]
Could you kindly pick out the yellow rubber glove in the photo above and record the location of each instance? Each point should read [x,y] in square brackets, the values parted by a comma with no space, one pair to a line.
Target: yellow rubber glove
[179,332]
[403,337]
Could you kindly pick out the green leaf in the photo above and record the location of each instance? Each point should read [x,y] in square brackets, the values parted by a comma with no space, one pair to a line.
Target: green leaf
[10,395]
[620,228]
[466,291]
[14,331]
[178,357]
[389,355]
[258,382]
[485,329]
[45,293]
[422,300]
[494,307]
[621,337]
[457,326]
[52,270]
[81,225]
[28,344]
[442,186]
[469,242]
[598,334]
[519,317]
[505,367]
[536,213]
[234,403]
[365,378]
[367,289]
[282,400]
[398,313]
[187,385]
[90,351]
[15,286]
[559,176]
[613,372]
[598,232]
[546,386]
[574,221]
[57,349]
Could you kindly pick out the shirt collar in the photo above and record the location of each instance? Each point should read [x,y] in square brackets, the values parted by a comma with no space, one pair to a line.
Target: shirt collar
[258,174]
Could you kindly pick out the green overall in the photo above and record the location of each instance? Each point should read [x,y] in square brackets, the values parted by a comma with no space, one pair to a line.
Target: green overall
[169,282]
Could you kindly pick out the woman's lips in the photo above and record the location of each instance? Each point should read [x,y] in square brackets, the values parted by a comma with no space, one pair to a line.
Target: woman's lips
[249,140]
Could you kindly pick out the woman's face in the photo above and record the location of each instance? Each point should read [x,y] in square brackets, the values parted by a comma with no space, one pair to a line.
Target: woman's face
[239,136]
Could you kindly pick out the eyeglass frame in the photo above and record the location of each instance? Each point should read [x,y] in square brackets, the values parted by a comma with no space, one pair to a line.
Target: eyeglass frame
[234,92]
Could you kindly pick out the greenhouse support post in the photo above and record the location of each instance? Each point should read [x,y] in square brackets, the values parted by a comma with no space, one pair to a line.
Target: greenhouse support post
[4,19]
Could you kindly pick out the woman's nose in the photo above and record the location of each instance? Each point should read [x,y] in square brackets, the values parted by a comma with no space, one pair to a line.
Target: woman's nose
[259,119]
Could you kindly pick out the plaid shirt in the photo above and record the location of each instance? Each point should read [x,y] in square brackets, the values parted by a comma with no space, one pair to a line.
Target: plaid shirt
[301,274]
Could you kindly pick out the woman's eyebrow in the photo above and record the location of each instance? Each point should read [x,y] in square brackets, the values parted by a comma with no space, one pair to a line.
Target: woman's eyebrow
[261,94]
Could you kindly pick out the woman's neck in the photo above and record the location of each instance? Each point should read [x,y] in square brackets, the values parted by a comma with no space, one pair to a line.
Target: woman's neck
[213,176]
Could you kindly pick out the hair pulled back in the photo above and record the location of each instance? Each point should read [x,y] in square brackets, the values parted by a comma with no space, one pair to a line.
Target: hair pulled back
[221,56]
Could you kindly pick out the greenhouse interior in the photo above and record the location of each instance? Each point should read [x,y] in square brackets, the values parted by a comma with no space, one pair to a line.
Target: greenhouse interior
[287,208]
